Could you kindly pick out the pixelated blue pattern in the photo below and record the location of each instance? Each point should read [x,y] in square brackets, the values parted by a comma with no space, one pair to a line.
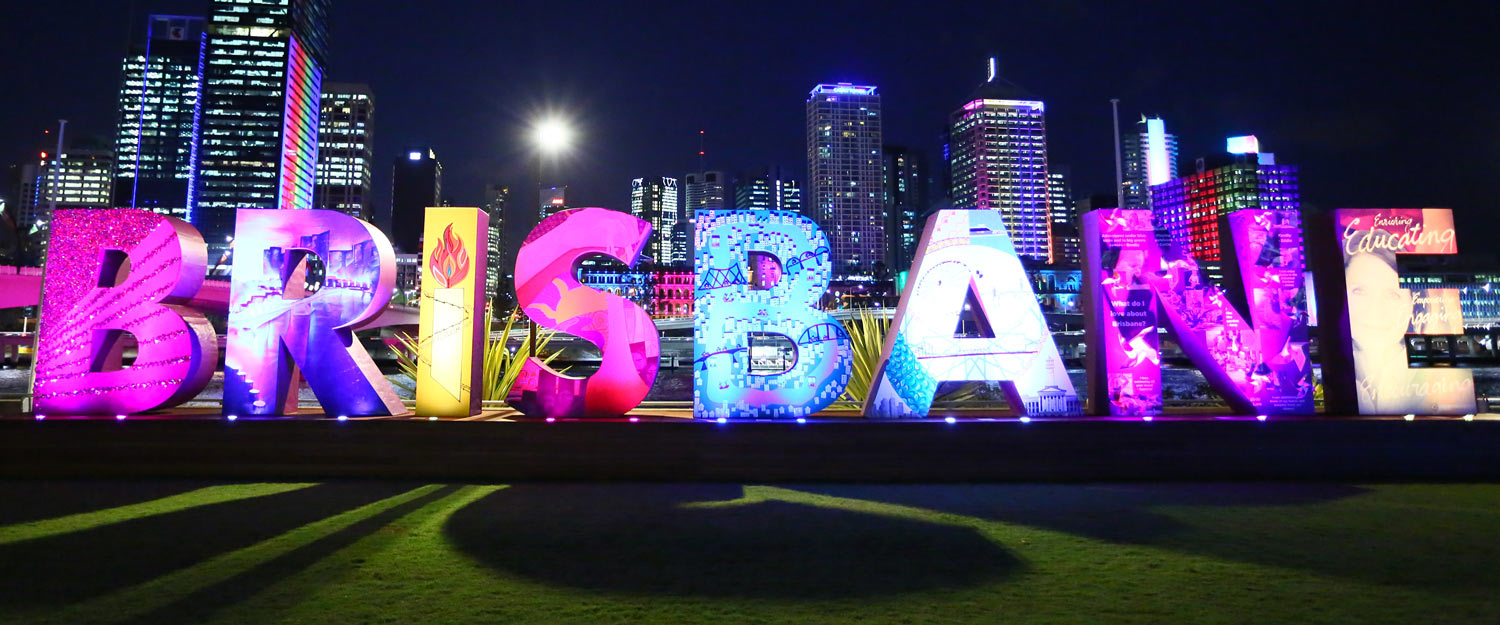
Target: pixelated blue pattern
[728,311]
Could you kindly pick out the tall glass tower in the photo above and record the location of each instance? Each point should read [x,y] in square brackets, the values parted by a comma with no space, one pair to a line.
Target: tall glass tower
[260,109]
[1150,158]
[998,158]
[905,201]
[346,147]
[844,176]
[656,201]
[156,130]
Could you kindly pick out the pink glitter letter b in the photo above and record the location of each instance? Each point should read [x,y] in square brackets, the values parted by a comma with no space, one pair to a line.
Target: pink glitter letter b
[109,273]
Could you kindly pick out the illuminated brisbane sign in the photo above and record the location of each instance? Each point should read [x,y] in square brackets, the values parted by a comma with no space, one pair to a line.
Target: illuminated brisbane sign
[760,276]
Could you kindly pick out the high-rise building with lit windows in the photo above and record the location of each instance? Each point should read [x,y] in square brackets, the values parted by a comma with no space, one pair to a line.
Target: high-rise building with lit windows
[1149,158]
[767,189]
[496,196]
[905,201]
[346,149]
[704,190]
[998,159]
[1189,208]
[844,176]
[261,91]
[656,201]
[416,183]
[84,180]
[160,105]
[1063,211]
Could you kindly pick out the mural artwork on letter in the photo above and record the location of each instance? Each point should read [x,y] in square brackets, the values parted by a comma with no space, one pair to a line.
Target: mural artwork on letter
[966,256]
[1259,365]
[280,331]
[450,345]
[1380,313]
[549,292]
[113,277]
[761,347]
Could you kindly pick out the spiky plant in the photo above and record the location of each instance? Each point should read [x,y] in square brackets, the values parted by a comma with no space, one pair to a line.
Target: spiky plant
[501,366]
[867,333]
[867,340]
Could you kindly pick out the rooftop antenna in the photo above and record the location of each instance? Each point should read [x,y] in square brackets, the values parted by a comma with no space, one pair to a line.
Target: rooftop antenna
[700,151]
[992,70]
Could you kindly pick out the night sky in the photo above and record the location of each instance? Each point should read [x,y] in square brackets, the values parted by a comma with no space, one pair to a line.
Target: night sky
[1379,108]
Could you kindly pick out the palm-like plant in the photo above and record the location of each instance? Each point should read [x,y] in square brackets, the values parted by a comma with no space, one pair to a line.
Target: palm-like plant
[501,366]
[867,340]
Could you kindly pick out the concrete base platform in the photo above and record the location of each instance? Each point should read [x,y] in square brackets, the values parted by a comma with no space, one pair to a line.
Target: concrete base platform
[659,448]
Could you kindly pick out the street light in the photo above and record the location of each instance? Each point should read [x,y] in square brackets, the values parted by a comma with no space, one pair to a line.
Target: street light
[551,136]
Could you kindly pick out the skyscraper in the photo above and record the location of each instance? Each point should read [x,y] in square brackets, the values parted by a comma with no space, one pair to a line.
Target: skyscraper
[346,149]
[496,196]
[1150,158]
[656,201]
[844,174]
[553,199]
[1188,208]
[999,161]
[416,183]
[260,109]
[84,180]
[905,201]
[767,189]
[1063,212]
[156,132]
[704,190]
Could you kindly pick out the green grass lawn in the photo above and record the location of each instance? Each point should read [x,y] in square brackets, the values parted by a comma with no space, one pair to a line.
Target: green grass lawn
[369,552]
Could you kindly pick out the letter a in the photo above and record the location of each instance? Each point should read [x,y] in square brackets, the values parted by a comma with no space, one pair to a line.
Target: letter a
[963,253]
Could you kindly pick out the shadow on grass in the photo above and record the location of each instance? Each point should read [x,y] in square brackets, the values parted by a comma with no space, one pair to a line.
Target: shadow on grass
[76,566]
[1428,536]
[22,501]
[199,605]
[642,539]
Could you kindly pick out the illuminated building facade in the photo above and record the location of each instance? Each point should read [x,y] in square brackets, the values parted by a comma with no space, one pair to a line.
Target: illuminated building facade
[656,201]
[1188,208]
[1150,158]
[767,189]
[672,293]
[346,149]
[631,284]
[84,180]
[160,105]
[844,175]
[416,183]
[260,110]
[905,200]
[998,160]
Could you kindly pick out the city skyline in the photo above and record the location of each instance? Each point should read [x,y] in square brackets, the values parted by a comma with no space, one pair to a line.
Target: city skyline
[479,119]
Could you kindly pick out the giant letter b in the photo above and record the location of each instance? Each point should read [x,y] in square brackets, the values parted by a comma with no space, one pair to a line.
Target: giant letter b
[112,272]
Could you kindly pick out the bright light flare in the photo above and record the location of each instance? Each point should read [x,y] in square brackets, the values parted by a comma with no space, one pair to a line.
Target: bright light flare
[551,136]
